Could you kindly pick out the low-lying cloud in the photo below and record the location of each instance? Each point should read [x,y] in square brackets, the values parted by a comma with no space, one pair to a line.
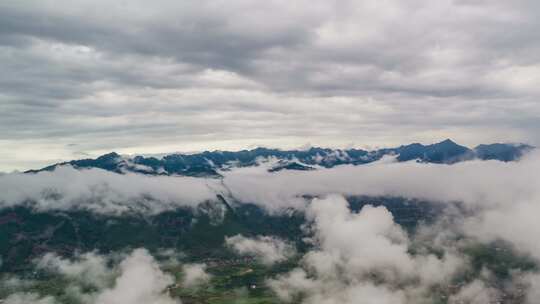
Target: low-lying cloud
[355,255]
[479,184]
[194,275]
[503,195]
[476,183]
[363,256]
[135,278]
[141,282]
[89,268]
[267,249]
[101,191]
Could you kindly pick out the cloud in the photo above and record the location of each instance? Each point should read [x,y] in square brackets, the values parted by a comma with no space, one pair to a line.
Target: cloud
[94,278]
[365,251]
[269,250]
[474,293]
[26,298]
[184,76]
[533,281]
[362,256]
[89,268]
[477,183]
[194,275]
[141,282]
[500,198]
[104,192]
[383,242]
[514,222]
[101,279]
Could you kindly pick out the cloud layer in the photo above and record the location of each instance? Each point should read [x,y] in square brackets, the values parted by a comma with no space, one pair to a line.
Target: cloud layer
[101,191]
[364,254]
[501,197]
[137,279]
[138,77]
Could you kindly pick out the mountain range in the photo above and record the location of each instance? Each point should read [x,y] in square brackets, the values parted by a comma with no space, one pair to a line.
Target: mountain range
[209,163]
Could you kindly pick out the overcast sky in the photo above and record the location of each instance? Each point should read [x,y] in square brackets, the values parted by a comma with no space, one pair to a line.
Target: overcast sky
[81,78]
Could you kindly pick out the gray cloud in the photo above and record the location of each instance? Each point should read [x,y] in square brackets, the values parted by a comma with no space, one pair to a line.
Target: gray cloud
[141,77]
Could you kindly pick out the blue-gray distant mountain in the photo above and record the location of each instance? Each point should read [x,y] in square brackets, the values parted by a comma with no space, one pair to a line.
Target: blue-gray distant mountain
[502,152]
[207,164]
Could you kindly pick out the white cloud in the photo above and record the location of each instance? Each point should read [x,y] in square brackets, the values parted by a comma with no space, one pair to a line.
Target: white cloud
[475,292]
[501,200]
[141,282]
[367,241]
[477,183]
[28,298]
[362,256]
[267,249]
[136,279]
[103,192]
[502,197]
[533,282]
[194,275]
[89,268]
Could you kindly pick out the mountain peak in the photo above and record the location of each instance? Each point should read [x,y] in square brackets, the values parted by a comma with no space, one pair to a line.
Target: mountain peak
[111,155]
[447,142]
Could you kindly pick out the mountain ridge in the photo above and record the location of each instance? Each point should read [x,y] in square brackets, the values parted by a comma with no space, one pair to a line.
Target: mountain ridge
[208,163]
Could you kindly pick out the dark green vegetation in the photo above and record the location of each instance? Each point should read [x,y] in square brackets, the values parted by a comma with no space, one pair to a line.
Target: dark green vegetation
[27,234]
[235,281]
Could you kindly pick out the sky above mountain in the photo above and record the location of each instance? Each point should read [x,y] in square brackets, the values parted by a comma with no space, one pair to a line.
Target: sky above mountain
[78,79]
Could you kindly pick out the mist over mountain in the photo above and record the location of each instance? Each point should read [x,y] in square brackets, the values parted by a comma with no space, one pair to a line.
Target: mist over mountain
[208,164]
